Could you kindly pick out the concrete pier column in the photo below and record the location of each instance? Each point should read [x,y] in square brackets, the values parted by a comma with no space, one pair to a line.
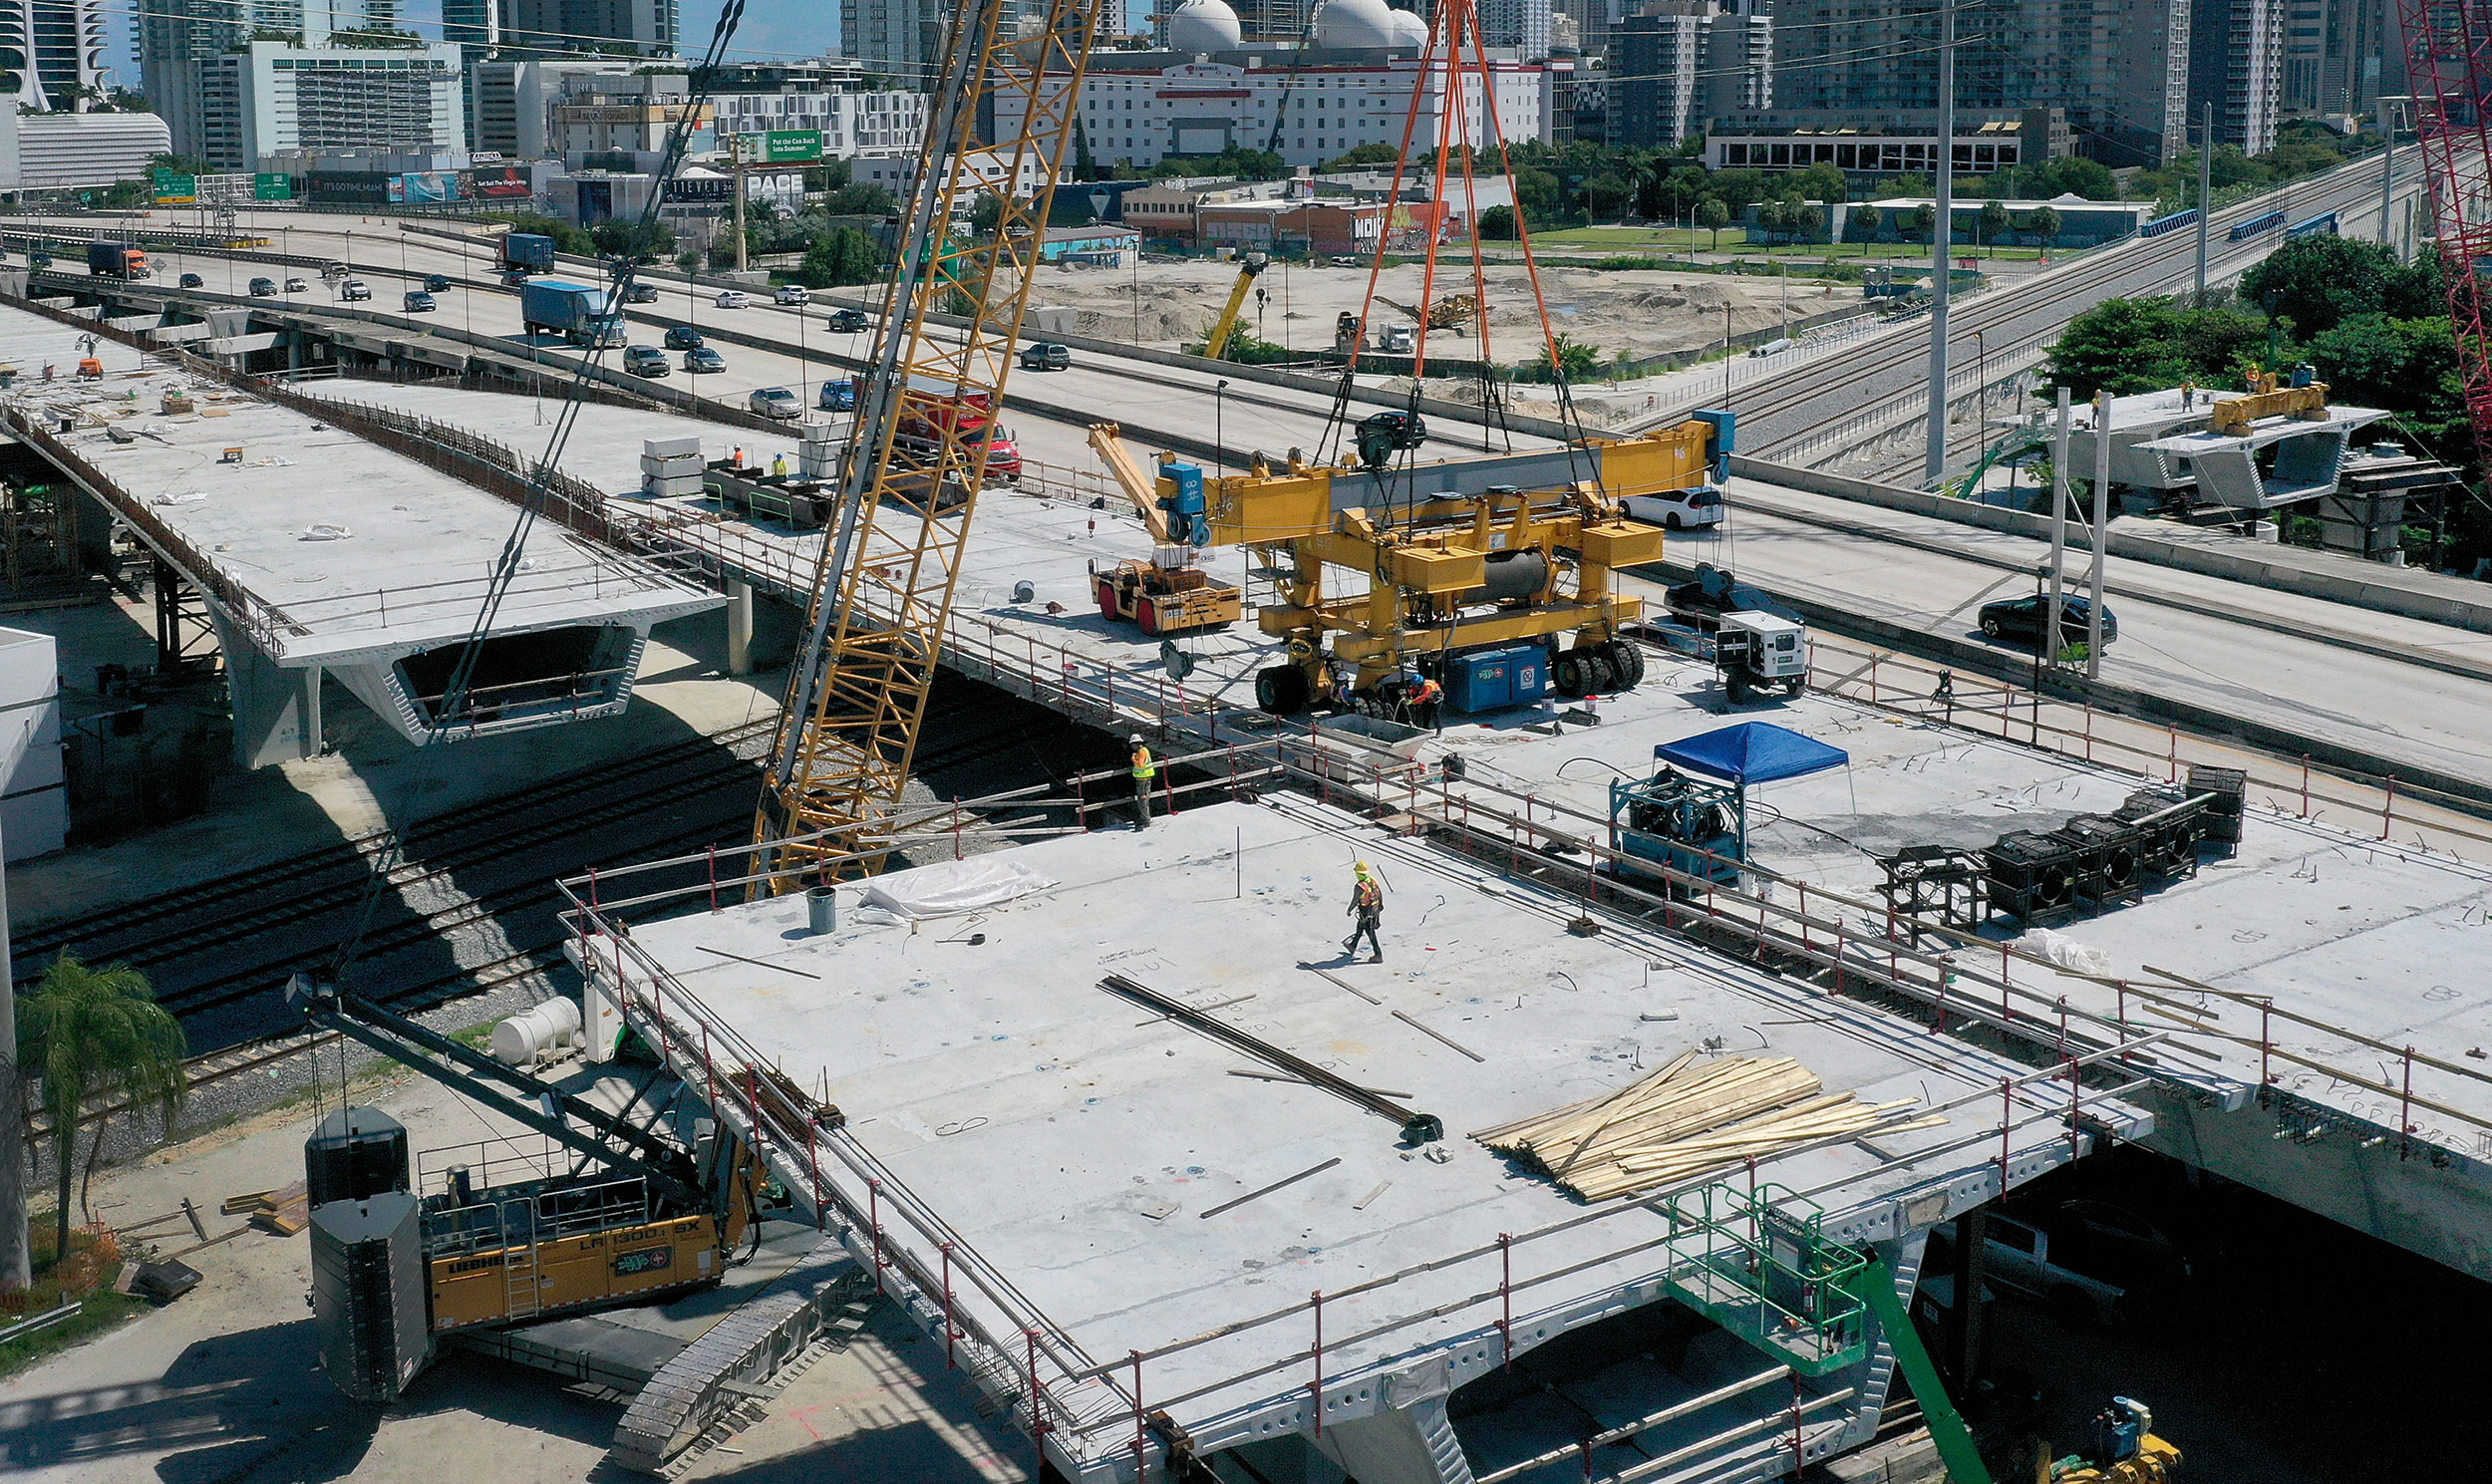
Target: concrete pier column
[1409,1445]
[739,627]
[277,711]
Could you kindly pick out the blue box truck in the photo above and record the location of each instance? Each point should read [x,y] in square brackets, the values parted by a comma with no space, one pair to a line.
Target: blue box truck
[578,312]
[527,252]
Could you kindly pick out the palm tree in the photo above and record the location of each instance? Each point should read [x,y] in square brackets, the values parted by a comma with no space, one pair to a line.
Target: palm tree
[2045,223]
[1713,213]
[93,1034]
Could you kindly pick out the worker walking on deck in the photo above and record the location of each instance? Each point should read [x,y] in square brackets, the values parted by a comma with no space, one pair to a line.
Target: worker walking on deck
[1146,774]
[1367,907]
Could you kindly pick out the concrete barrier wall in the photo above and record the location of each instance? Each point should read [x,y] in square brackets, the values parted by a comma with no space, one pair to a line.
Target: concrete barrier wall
[2315,574]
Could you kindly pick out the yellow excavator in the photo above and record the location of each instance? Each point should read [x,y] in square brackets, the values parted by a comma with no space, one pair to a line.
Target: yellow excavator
[1490,575]
[1167,594]
[1250,267]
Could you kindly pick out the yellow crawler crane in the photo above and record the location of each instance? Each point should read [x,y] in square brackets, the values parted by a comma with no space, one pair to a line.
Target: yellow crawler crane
[1386,573]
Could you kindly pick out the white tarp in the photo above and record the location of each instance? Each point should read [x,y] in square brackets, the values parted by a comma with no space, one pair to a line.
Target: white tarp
[2064,951]
[951,887]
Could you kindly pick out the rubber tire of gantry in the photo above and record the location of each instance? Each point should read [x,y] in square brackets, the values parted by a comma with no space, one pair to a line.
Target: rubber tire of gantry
[1626,657]
[1281,690]
[1600,672]
[1566,672]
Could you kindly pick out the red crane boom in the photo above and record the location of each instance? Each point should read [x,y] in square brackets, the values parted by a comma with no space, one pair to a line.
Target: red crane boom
[2450,68]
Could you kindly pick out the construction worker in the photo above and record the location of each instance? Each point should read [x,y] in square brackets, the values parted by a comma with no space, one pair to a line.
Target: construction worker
[1146,774]
[778,465]
[1367,909]
[1423,698]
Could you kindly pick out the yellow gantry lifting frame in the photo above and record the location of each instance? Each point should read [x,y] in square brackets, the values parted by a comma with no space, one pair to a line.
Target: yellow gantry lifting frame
[857,688]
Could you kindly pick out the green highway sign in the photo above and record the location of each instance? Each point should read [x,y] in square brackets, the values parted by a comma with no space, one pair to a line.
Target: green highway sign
[173,189]
[272,185]
[779,147]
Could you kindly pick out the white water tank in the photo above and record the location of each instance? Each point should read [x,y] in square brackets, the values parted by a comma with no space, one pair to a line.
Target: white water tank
[1353,23]
[1200,26]
[536,1032]
[1410,29]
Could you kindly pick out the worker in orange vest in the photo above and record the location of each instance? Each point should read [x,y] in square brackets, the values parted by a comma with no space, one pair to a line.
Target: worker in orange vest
[1367,909]
[1421,700]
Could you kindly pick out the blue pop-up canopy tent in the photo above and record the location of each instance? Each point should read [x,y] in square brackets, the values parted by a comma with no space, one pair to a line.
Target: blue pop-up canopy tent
[1751,753]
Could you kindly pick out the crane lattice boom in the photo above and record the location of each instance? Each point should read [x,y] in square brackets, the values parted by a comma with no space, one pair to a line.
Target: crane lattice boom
[2449,67]
[857,689]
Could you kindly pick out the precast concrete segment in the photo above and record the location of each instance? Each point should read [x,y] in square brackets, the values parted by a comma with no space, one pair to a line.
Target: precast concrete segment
[1070,1147]
[318,551]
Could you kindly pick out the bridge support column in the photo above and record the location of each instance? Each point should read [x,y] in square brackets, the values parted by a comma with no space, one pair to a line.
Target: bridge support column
[739,627]
[1413,1445]
[277,711]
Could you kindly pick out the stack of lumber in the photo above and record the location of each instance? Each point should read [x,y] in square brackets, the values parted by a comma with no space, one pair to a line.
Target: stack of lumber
[281,1212]
[1685,1122]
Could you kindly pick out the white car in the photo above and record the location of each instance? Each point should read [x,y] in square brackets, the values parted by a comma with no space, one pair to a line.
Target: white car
[1678,509]
[791,294]
[733,299]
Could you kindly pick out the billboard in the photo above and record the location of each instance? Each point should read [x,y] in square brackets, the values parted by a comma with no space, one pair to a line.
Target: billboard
[351,188]
[426,188]
[176,189]
[500,183]
[779,147]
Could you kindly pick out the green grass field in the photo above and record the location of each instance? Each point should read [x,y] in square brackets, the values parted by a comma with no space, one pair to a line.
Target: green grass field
[1735,239]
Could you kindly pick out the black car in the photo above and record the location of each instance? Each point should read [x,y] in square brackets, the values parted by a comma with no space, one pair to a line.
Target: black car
[682,338]
[1047,355]
[515,278]
[194,282]
[420,302]
[641,293]
[645,360]
[849,321]
[263,288]
[2021,619]
[39,259]
[1408,429]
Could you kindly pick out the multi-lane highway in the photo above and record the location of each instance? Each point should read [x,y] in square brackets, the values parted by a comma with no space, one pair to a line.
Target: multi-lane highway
[2406,694]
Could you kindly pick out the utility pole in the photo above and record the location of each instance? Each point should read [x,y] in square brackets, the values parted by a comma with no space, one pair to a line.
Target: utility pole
[1942,238]
[2387,176]
[736,179]
[16,1260]
[2206,185]
[2102,531]
[2058,530]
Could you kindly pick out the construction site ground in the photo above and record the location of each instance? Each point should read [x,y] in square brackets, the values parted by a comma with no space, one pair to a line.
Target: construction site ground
[1639,313]
[222,1384]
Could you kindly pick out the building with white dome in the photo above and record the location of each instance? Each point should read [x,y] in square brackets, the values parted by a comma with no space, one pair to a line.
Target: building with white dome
[1201,27]
[1209,92]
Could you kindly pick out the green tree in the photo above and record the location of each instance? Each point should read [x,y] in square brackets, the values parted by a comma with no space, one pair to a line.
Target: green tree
[567,239]
[620,239]
[1740,190]
[1821,181]
[987,215]
[1362,158]
[2410,368]
[1993,222]
[1774,218]
[1924,222]
[95,1034]
[861,200]
[2074,175]
[1862,225]
[840,258]
[2045,223]
[1576,361]
[2140,344]
[1496,224]
[2318,282]
[1537,189]
[1713,213]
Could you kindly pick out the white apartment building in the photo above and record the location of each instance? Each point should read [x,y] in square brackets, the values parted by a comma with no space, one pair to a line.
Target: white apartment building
[851,123]
[896,170]
[269,97]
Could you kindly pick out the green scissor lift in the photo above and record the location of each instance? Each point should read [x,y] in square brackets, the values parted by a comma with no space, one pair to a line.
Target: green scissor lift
[1759,1263]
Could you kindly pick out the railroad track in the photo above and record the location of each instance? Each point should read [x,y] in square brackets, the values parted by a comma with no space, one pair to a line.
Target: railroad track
[2357,185]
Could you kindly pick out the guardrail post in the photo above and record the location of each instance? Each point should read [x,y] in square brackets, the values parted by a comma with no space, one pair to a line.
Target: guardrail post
[2405,1108]
[1039,1429]
[1505,1294]
[2006,1113]
[1141,1439]
[951,1331]
[873,1224]
[1315,1388]
[2305,785]
[2387,807]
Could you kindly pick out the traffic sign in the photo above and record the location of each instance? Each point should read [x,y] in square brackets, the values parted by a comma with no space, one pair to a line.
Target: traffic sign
[176,189]
[779,147]
[272,185]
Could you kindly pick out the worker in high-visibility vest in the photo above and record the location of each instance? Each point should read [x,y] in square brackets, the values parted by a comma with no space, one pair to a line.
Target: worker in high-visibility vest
[1145,774]
[1423,698]
[778,465]
[1367,911]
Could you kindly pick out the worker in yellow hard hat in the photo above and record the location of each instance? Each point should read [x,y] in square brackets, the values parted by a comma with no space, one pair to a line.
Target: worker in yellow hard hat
[1367,908]
[1146,776]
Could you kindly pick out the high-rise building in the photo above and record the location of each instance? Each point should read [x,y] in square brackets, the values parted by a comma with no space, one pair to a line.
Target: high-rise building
[1522,25]
[2336,57]
[52,53]
[176,34]
[570,28]
[2110,65]
[898,39]
[2236,63]
[1675,65]
[269,97]
[473,25]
